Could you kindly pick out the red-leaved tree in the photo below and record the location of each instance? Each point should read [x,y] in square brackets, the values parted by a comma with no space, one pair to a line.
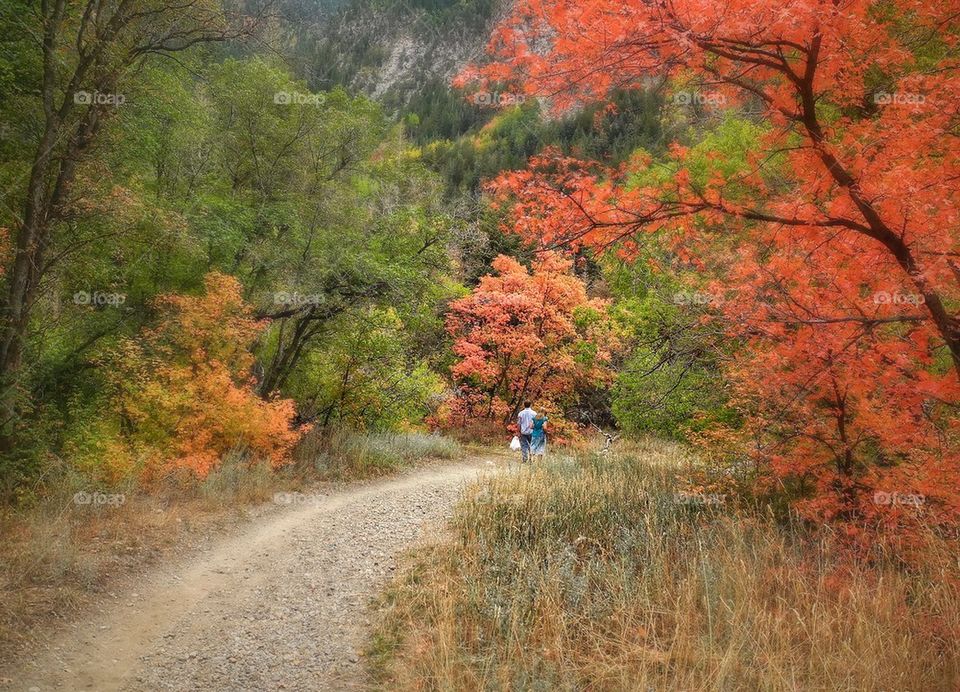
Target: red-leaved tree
[526,334]
[840,224]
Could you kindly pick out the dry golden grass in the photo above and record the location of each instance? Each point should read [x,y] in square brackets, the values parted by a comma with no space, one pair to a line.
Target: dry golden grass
[596,574]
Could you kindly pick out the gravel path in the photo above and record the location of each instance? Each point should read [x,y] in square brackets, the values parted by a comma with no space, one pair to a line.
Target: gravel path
[282,605]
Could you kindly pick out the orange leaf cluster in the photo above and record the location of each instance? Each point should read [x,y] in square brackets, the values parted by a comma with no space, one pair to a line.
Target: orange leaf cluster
[185,387]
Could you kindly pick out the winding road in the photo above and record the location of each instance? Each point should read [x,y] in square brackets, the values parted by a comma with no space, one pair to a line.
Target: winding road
[281,604]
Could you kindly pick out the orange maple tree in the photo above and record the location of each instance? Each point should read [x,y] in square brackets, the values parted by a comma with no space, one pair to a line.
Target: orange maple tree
[526,334]
[841,228]
[185,387]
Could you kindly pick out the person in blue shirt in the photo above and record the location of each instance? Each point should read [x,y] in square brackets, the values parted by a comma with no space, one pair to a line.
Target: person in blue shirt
[538,436]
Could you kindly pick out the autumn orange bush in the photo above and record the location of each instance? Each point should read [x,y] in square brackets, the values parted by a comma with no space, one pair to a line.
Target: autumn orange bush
[526,334]
[183,390]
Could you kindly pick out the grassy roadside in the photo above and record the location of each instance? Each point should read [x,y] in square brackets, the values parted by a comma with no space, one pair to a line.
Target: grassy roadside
[78,538]
[603,574]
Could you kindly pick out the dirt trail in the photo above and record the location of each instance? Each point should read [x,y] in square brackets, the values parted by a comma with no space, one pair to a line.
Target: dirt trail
[282,604]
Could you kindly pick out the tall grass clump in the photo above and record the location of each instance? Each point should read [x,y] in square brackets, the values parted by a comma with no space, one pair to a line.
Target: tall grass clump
[344,453]
[603,573]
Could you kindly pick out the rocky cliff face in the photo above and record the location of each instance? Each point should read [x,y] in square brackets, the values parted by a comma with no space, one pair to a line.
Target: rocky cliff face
[391,50]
